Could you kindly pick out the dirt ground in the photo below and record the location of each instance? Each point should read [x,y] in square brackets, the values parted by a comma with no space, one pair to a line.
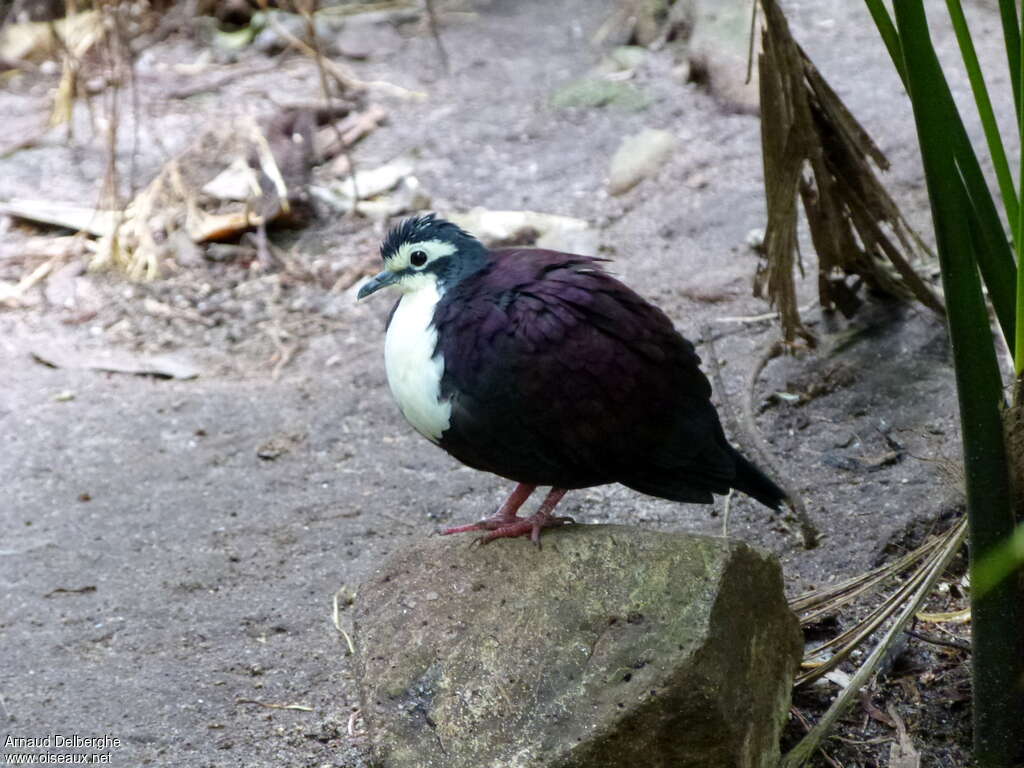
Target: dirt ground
[171,548]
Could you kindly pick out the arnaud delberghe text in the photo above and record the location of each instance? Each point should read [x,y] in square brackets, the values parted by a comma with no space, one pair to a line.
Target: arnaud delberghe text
[61,741]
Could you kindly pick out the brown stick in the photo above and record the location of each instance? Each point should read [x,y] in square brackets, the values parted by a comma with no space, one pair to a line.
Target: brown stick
[745,430]
[435,32]
[214,83]
[960,645]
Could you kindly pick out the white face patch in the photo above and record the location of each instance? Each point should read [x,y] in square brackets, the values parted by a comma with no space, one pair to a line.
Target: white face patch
[415,257]
[414,371]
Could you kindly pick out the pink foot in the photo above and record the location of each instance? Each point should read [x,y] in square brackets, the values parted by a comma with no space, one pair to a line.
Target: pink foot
[506,524]
[506,514]
[526,526]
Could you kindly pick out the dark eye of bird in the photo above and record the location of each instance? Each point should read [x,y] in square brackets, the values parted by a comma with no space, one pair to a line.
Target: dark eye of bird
[418,258]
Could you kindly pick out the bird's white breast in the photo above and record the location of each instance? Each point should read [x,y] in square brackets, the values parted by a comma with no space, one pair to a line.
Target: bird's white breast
[414,370]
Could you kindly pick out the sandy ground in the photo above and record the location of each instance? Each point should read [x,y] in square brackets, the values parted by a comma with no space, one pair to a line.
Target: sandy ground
[165,585]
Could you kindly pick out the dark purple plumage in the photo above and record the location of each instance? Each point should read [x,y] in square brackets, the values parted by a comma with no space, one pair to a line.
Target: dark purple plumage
[560,375]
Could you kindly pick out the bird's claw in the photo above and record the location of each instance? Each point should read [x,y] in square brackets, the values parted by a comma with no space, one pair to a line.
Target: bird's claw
[511,527]
[487,524]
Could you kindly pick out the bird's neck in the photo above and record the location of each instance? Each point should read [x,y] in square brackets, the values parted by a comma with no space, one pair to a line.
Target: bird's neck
[473,257]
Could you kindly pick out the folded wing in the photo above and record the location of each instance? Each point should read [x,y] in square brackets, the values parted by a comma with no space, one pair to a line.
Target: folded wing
[561,375]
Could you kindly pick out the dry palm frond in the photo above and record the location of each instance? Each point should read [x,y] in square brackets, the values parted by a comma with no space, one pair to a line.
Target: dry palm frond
[815,149]
[813,606]
[902,606]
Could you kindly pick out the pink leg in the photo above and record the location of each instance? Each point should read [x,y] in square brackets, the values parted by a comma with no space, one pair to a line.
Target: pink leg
[506,513]
[507,525]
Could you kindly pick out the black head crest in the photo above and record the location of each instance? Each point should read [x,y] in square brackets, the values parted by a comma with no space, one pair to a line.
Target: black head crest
[418,229]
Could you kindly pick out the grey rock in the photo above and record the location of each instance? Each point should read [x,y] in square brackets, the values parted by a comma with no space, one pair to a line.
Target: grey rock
[611,646]
[360,40]
[623,58]
[719,49]
[639,157]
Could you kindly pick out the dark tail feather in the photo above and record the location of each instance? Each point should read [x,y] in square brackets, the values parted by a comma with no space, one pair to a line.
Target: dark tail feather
[755,483]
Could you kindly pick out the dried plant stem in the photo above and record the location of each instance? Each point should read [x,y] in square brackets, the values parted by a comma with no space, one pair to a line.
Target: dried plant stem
[325,91]
[802,719]
[296,707]
[745,431]
[344,78]
[727,508]
[806,747]
[816,604]
[435,32]
[222,80]
[808,530]
[336,617]
[814,150]
[957,644]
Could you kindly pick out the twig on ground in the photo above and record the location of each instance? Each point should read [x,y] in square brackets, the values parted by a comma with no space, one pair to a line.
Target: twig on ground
[352,723]
[807,728]
[160,309]
[345,79]
[961,616]
[30,280]
[902,753]
[336,617]
[745,319]
[751,44]
[435,32]
[344,142]
[745,430]
[716,374]
[298,707]
[29,142]
[863,742]
[360,125]
[808,529]
[874,712]
[960,645]
[125,41]
[284,355]
[725,514]
[217,82]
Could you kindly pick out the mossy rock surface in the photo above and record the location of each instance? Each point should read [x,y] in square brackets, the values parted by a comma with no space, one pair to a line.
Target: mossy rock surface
[594,91]
[611,646]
